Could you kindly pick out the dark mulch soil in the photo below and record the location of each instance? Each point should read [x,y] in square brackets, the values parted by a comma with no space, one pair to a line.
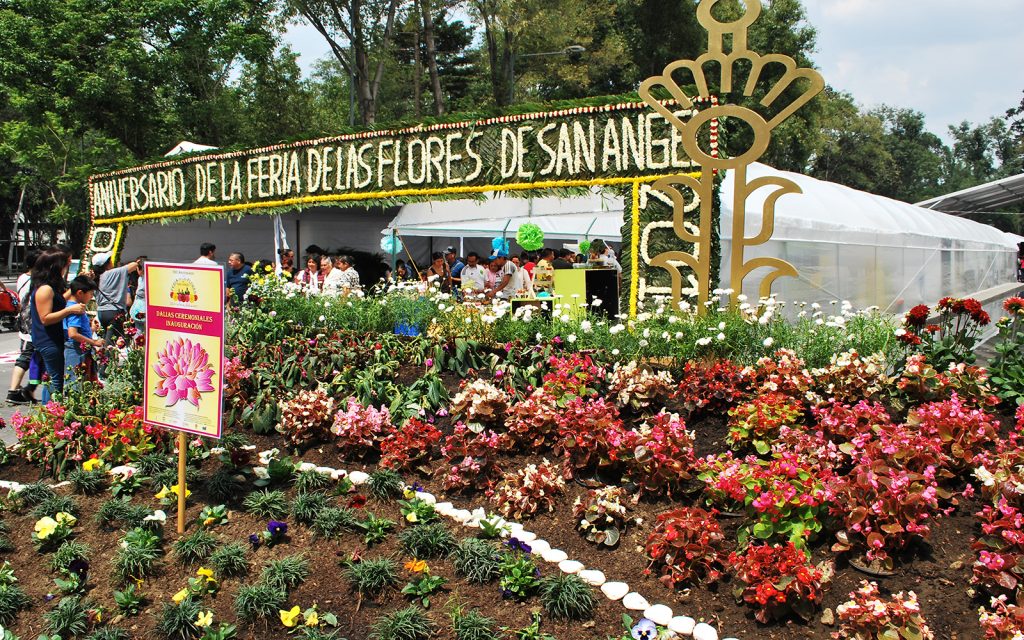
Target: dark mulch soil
[938,572]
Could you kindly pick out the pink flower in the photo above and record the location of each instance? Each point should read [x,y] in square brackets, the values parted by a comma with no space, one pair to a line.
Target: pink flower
[185,370]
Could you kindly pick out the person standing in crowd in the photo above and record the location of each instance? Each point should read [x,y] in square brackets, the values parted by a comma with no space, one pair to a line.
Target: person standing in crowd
[78,331]
[286,258]
[474,276]
[349,276]
[113,300]
[564,260]
[507,280]
[311,278]
[48,310]
[437,273]
[331,277]
[206,255]
[18,394]
[543,273]
[236,279]
[455,266]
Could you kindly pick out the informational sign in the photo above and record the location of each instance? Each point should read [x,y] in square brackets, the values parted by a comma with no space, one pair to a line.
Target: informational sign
[184,385]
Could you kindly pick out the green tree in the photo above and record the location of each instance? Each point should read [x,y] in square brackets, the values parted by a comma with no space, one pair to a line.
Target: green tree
[853,150]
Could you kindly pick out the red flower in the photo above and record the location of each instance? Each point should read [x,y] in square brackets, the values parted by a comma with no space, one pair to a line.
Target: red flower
[1014,305]
[918,316]
[357,501]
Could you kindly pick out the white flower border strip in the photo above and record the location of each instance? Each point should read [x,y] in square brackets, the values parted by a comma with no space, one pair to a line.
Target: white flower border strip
[660,614]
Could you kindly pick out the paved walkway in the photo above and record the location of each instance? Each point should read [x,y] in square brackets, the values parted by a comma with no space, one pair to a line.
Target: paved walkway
[8,353]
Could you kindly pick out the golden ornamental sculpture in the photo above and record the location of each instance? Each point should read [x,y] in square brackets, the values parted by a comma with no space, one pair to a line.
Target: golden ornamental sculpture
[725,63]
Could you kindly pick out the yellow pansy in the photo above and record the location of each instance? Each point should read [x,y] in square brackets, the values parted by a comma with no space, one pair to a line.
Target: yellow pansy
[288,618]
[163,493]
[176,490]
[181,595]
[409,493]
[203,571]
[66,518]
[204,619]
[209,521]
[416,566]
[45,527]
[312,620]
[91,464]
[411,516]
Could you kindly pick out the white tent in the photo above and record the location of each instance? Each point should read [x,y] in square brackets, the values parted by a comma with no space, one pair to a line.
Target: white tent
[845,244]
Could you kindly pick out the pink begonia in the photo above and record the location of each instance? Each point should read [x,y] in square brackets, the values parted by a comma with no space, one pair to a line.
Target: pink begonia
[185,371]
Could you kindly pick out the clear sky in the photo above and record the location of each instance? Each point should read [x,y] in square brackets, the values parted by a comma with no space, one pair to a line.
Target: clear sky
[953,60]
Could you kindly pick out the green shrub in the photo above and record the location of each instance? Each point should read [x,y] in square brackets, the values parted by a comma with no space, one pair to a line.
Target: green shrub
[153,463]
[195,547]
[169,477]
[331,521]
[286,573]
[69,618]
[259,600]
[224,485]
[109,633]
[267,504]
[113,511]
[427,541]
[229,560]
[384,484]
[12,600]
[411,623]
[135,556]
[372,576]
[476,560]
[178,621]
[308,506]
[567,596]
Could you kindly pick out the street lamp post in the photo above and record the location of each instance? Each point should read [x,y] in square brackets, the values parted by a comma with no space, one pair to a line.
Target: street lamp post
[571,49]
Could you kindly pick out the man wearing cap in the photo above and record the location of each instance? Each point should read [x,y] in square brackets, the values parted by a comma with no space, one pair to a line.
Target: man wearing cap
[507,277]
[112,297]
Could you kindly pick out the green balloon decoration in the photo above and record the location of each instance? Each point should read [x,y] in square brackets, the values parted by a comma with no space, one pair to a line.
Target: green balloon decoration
[584,247]
[530,237]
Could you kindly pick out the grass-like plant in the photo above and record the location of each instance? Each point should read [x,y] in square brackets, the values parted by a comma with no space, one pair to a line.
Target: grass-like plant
[229,560]
[153,463]
[286,573]
[178,621]
[224,485]
[332,521]
[69,618]
[35,493]
[384,484]
[6,545]
[88,482]
[195,547]
[311,480]
[129,601]
[169,477]
[427,541]
[12,600]
[476,560]
[473,625]
[567,596]
[267,504]
[135,556]
[372,576]
[109,633]
[54,505]
[68,552]
[308,505]
[113,511]
[260,600]
[411,623]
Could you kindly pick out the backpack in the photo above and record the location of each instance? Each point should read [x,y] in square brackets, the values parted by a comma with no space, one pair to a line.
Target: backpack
[25,315]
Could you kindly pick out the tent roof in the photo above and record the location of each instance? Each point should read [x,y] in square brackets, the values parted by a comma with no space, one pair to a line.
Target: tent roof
[187,147]
[983,197]
[824,212]
[597,215]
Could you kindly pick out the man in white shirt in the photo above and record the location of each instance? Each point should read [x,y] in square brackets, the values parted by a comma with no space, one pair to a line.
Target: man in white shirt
[206,255]
[474,277]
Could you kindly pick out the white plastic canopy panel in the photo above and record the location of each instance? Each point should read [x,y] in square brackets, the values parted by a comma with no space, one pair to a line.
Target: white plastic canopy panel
[595,215]
[870,250]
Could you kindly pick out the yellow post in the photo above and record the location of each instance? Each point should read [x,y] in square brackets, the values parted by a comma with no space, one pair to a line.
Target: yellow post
[182,491]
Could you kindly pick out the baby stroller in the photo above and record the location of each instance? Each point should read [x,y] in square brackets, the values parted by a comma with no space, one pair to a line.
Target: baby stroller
[10,309]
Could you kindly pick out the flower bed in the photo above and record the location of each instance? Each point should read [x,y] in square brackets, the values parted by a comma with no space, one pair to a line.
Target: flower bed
[750,482]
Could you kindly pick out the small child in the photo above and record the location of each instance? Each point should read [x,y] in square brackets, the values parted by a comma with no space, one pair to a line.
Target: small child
[78,331]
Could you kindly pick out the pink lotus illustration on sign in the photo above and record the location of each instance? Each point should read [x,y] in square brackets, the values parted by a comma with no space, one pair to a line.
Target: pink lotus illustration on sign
[185,371]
